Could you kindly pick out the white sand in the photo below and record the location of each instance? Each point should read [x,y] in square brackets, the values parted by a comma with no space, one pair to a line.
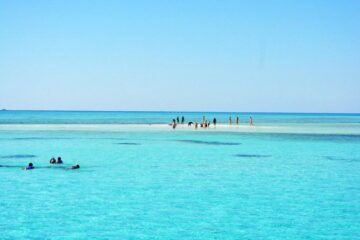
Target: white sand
[112,127]
[322,129]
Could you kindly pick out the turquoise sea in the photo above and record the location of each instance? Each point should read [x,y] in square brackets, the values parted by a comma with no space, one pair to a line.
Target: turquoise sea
[291,176]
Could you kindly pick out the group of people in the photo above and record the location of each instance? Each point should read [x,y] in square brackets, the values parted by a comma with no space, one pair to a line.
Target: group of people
[52,161]
[237,121]
[205,123]
[176,121]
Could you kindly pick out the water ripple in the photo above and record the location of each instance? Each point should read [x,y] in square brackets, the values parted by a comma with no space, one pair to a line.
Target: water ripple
[19,156]
[128,143]
[332,158]
[209,142]
[252,156]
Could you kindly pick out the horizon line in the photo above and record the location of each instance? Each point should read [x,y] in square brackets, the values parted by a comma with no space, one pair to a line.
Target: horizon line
[172,111]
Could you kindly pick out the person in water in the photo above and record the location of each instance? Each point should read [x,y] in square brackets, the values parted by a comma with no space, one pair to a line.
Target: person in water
[77,166]
[182,120]
[251,121]
[59,161]
[214,121]
[178,120]
[30,167]
[237,120]
[230,120]
[52,160]
[189,124]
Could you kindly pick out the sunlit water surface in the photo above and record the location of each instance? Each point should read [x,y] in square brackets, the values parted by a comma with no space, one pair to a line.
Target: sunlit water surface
[149,183]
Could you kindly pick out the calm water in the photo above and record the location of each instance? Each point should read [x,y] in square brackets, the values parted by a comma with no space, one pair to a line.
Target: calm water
[182,184]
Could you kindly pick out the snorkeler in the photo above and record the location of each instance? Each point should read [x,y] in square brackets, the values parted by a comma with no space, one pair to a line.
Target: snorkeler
[59,161]
[52,160]
[77,166]
[30,167]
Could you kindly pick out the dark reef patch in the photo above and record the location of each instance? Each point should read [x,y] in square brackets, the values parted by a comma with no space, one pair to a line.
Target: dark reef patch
[210,142]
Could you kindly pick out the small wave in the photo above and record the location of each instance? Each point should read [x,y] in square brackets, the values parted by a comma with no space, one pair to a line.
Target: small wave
[332,158]
[209,142]
[252,156]
[40,138]
[128,143]
[19,156]
[10,166]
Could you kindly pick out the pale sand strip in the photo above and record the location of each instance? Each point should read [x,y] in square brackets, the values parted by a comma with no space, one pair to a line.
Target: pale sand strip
[320,129]
[112,127]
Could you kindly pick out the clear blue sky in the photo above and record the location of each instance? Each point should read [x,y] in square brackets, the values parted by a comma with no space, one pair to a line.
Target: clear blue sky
[290,56]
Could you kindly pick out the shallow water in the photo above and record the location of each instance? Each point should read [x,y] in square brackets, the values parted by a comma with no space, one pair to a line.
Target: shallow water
[182,184]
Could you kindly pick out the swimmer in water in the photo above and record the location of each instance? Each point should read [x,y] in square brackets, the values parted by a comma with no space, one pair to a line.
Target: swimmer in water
[214,121]
[52,160]
[251,121]
[30,167]
[237,120]
[59,161]
[77,166]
